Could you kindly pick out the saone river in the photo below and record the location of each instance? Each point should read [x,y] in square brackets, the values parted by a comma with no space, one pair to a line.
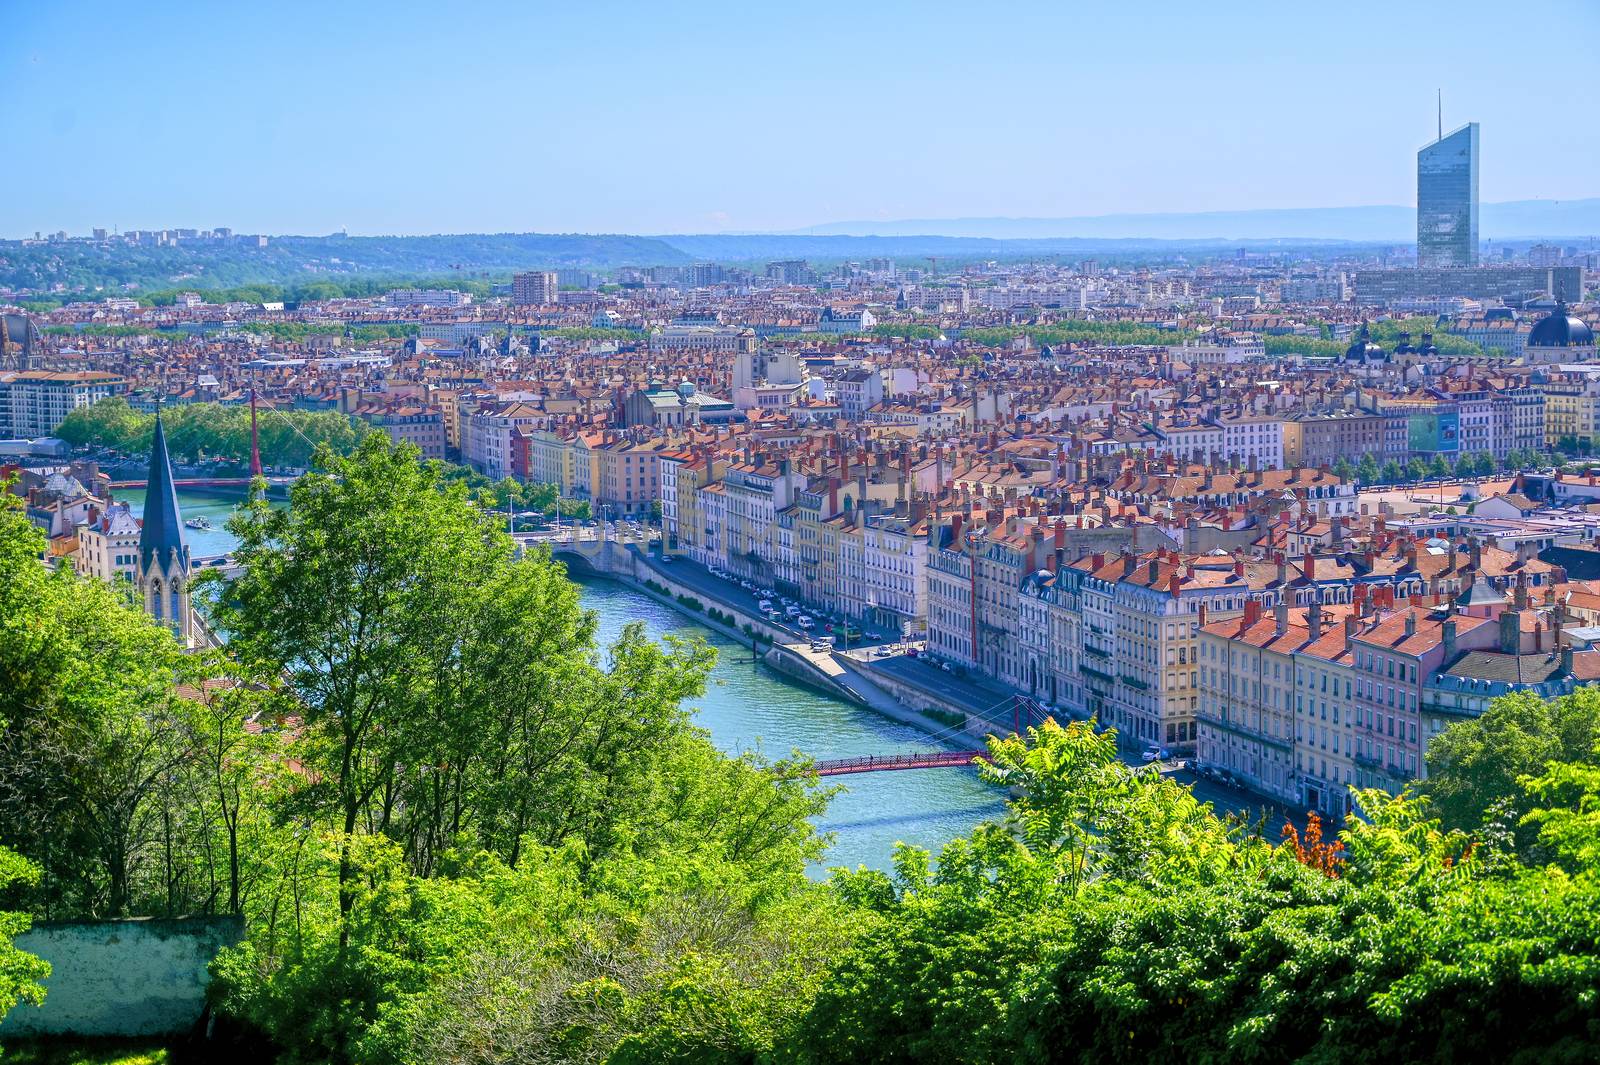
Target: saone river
[749,707]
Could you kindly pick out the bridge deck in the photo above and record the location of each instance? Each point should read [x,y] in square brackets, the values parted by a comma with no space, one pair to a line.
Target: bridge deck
[878,763]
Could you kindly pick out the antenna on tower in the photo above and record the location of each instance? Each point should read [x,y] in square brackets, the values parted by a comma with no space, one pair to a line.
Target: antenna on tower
[1441,113]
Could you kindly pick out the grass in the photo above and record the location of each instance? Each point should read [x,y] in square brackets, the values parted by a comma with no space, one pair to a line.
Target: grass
[85,1052]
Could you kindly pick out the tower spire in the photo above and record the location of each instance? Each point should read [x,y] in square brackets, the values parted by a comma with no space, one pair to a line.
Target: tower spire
[161,536]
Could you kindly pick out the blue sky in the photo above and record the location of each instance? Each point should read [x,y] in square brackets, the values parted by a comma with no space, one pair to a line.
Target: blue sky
[405,117]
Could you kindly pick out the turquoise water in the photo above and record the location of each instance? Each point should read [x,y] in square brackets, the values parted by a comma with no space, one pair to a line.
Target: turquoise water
[215,509]
[749,707]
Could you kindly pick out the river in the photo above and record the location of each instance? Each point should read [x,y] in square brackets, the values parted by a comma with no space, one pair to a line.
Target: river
[750,707]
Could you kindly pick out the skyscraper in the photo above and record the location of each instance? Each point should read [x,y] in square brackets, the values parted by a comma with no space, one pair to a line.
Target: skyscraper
[1447,200]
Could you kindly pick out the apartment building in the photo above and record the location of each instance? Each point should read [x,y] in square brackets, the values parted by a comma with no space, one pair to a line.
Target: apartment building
[34,403]
[488,446]
[108,545]
[536,288]
[421,426]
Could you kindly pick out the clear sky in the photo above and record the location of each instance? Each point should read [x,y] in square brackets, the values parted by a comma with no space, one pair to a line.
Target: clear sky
[401,117]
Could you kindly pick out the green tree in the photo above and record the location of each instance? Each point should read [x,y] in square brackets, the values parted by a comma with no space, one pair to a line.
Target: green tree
[1475,766]
[1416,470]
[1344,469]
[1393,473]
[93,740]
[1367,469]
[1439,468]
[1484,465]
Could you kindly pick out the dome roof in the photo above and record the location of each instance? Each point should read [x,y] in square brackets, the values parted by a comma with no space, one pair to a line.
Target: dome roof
[1561,330]
[1364,350]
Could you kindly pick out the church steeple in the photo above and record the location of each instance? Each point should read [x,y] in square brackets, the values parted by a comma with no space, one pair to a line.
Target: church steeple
[162,574]
[161,539]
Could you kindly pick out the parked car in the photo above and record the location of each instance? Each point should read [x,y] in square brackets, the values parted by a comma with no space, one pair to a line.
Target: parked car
[1155,753]
[804,622]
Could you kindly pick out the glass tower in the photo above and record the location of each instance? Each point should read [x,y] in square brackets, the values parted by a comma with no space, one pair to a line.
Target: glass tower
[1447,200]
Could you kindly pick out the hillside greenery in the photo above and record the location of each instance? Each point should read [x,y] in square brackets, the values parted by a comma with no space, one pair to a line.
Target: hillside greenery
[91,269]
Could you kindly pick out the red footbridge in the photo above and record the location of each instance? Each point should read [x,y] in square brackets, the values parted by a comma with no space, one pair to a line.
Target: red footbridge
[879,763]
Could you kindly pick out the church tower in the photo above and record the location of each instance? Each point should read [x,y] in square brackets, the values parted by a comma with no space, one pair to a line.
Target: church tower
[162,574]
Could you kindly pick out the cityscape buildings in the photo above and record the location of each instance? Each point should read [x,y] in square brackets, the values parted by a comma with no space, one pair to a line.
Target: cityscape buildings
[1286,513]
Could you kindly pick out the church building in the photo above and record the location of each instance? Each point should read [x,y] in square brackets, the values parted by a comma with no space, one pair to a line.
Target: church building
[161,574]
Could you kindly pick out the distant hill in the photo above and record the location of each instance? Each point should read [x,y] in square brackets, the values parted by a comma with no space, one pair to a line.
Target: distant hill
[1499,221]
[754,247]
[82,266]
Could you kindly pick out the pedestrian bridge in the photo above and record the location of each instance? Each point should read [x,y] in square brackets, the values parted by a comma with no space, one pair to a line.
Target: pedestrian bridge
[880,763]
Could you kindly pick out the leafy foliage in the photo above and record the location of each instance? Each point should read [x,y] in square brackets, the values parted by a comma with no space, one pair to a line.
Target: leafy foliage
[1114,920]
[199,431]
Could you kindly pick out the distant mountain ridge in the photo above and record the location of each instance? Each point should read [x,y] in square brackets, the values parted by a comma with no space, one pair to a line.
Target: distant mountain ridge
[1512,219]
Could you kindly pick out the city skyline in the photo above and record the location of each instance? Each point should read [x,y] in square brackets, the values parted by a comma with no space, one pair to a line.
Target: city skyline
[548,124]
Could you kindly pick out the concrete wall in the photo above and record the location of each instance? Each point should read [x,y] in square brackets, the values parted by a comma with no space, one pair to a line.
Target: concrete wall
[124,978]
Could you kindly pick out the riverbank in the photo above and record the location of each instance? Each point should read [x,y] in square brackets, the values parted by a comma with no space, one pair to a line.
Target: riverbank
[821,670]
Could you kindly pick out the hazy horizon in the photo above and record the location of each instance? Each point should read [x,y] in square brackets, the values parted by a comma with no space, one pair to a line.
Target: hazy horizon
[618,118]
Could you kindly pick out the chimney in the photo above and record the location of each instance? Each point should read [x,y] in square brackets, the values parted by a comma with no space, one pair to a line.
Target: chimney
[1238,568]
[1128,562]
[1280,618]
[1448,632]
[1097,560]
[1350,624]
[1310,566]
[1411,623]
[1175,584]
[1252,612]
[1538,637]
[1314,619]
[1566,660]
[1519,597]
[1510,632]
[1202,615]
